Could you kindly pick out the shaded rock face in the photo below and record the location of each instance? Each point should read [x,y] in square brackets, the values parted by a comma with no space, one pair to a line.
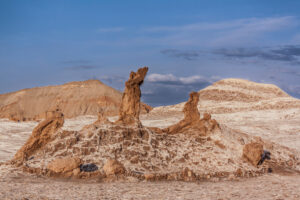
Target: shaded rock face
[113,167]
[41,135]
[65,166]
[102,119]
[192,121]
[190,109]
[130,107]
[252,152]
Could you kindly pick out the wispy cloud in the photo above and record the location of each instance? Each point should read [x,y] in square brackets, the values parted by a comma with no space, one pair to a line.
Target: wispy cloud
[185,54]
[233,32]
[82,67]
[110,30]
[76,62]
[289,53]
[174,80]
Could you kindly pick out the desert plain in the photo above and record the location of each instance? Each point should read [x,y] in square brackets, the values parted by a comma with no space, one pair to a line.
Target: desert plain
[203,161]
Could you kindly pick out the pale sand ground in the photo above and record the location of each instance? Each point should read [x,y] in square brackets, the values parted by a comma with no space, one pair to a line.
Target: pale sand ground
[272,186]
[279,126]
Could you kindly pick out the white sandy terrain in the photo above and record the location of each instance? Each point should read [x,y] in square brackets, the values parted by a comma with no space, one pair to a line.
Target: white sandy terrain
[16,185]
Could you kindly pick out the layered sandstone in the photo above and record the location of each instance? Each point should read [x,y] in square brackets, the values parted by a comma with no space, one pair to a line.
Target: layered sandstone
[74,99]
[131,106]
[191,120]
[41,135]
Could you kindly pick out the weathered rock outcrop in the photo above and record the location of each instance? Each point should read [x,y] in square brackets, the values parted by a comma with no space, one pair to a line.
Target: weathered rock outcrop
[252,152]
[65,166]
[102,119]
[41,135]
[131,105]
[192,121]
[203,149]
[113,167]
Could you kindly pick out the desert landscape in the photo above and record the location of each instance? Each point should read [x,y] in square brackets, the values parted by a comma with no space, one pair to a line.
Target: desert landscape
[234,139]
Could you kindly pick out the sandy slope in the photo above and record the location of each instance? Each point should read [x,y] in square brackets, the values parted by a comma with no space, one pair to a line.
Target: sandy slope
[257,109]
[74,99]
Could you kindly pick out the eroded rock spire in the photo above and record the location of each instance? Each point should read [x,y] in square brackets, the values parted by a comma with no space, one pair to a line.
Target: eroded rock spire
[131,99]
[191,120]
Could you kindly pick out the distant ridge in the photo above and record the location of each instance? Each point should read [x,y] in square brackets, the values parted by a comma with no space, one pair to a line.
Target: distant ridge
[73,98]
[240,90]
[235,95]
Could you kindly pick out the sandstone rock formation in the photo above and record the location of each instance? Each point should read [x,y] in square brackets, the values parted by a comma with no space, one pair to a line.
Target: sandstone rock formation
[192,121]
[65,166]
[203,150]
[252,152]
[131,106]
[41,135]
[74,99]
[113,167]
[102,119]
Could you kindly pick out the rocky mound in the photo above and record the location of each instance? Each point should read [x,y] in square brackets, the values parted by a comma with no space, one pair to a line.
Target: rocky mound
[125,148]
[240,90]
[237,95]
[74,99]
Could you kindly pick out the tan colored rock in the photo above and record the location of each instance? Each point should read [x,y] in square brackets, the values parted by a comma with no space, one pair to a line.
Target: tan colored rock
[149,177]
[206,116]
[41,135]
[191,120]
[252,152]
[191,115]
[74,98]
[102,119]
[190,109]
[65,165]
[113,167]
[131,105]
[76,171]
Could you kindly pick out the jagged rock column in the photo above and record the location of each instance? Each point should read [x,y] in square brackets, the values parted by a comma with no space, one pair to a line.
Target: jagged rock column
[131,99]
[192,121]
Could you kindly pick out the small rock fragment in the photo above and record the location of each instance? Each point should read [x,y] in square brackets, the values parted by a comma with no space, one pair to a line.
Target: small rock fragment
[113,167]
[252,152]
[88,167]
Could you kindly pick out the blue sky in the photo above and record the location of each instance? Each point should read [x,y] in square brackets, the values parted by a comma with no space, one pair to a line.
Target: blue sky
[186,44]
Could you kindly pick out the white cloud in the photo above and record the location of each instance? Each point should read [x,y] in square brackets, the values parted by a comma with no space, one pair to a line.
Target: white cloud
[161,78]
[170,78]
[192,79]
